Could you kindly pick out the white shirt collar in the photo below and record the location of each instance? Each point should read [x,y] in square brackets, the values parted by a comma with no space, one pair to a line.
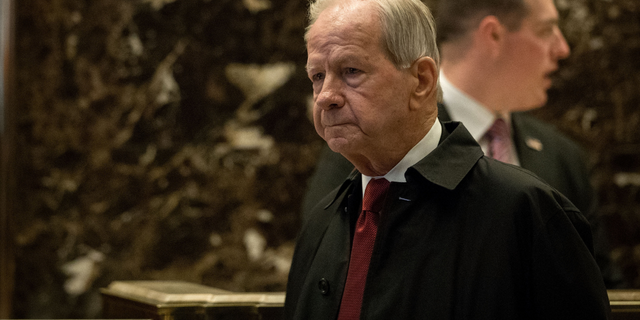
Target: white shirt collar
[428,143]
[461,107]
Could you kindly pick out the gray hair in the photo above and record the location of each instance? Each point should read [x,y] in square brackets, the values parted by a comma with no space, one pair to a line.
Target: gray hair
[408,29]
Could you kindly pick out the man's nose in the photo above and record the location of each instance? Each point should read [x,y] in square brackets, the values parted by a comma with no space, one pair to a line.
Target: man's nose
[561,47]
[331,95]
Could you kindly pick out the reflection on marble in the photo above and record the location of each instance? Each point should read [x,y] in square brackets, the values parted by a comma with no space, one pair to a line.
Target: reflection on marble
[165,139]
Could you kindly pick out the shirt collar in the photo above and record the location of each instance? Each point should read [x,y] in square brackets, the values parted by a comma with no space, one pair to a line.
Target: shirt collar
[476,117]
[446,166]
[428,143]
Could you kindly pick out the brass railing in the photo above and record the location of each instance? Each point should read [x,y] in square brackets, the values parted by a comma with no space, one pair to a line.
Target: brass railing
[176,300]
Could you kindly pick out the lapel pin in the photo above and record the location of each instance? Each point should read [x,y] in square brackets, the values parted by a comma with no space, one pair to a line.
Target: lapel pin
[534,144]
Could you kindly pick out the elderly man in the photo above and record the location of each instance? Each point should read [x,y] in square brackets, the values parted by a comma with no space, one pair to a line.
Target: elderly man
[427,226]
[497,60]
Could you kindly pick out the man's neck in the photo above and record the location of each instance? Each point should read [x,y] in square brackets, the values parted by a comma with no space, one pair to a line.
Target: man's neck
[477,86]
[476,117]
[427,144]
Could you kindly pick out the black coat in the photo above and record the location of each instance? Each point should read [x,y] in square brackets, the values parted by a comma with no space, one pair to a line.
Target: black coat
[478,239]
[541,149]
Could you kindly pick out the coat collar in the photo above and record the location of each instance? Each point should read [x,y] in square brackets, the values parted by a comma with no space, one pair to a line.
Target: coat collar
[452,160]
[445,166]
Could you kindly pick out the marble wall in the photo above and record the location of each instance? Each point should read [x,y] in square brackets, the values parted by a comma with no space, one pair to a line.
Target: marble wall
[170,139]
[596,101]
[159,140]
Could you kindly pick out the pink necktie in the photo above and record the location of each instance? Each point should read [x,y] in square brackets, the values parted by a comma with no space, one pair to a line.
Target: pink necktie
[363,240]
[499,141]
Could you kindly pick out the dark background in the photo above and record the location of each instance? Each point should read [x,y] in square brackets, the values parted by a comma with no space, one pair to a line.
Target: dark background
[153,141]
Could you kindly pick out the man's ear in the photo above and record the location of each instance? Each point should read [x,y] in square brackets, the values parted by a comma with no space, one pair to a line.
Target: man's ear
[426,73]
[490,34]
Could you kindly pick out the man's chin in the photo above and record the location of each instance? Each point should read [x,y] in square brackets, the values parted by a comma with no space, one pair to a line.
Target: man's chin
[533,103]
[542,100]
[336,146]
[339,145]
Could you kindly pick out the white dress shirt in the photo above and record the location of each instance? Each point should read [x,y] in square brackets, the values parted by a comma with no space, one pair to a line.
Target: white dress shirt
[428,143]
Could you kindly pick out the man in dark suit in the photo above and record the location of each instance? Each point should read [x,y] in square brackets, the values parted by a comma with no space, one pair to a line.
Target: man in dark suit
[426,226]
[497,58]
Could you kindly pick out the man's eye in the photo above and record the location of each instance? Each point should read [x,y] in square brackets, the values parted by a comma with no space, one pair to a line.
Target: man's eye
[547,31]
[352,71]
[317,77]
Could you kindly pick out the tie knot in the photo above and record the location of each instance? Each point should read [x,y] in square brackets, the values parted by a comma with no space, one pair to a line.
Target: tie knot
[374,194]
[499,130]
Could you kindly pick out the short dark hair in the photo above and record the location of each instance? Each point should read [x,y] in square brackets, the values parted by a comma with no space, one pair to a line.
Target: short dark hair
[454,18]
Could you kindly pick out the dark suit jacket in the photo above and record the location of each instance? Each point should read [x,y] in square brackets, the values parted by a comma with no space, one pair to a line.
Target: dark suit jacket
[467,237]
[541,149]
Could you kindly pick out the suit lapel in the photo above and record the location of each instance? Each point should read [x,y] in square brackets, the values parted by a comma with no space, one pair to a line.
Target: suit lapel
[529,146]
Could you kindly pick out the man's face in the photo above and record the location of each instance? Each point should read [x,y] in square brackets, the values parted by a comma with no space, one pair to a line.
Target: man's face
[361,101]
[531,55]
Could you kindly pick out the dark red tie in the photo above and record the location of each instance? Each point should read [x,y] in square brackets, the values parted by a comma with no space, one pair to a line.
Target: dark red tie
[363,240]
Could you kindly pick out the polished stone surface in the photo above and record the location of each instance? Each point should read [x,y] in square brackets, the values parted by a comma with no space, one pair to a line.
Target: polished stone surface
[170,140]
[596,101]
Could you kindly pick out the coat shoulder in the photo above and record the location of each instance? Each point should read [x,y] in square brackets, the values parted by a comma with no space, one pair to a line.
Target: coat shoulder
[514,182]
